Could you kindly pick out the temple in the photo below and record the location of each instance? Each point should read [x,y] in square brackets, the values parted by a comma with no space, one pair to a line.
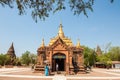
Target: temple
[11,54]
[61,51]
[11,51]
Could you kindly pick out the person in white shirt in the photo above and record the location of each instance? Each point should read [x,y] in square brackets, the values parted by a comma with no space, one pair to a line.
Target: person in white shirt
[57,67]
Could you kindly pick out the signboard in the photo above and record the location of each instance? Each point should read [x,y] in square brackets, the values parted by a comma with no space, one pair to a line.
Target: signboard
[59,56]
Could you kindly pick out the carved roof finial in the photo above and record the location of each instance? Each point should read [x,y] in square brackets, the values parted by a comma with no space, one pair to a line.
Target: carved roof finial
[78,44]
[43,44]
[60,32]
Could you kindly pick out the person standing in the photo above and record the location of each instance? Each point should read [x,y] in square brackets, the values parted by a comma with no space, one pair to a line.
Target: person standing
[49,69]
[57,67]
[46,70]
[32,67]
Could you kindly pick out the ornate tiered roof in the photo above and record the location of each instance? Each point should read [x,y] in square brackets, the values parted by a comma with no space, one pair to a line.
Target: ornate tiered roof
[62,36]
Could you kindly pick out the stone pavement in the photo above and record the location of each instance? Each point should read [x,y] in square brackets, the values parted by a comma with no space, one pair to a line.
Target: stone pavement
[59,77]
[109,71]
[27,74]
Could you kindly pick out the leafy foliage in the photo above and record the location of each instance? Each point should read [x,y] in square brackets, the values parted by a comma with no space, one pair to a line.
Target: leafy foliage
[104,58]
[2,59]
[7,60]
[89,56]
[33,58]
[79,6]
[28,58]
[18,62]
[7,2]
[25,58]
[42,8]
[114,53]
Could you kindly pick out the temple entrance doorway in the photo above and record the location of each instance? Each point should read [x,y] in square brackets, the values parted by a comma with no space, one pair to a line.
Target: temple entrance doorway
[60,60]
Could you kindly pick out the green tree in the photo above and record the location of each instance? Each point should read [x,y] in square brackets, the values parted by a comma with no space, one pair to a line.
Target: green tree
[2,59]
[42,8]
[18,62]
[25,58]
[114,53]
[105,59]
[89,56]
[7,60]
[92,58]
[33,58]
[28,58]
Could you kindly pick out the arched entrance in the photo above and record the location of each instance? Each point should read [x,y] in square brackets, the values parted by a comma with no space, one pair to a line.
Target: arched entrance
[59,59]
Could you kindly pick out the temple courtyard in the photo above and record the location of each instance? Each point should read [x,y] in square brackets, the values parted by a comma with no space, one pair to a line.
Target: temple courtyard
[28,74]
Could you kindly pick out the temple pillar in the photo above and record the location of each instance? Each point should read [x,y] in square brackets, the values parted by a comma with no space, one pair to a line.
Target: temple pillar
[70,58]
[67,63]
[71,68]
[50,58]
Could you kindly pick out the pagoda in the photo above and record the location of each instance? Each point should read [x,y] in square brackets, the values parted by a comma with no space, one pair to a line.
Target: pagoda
[11,54]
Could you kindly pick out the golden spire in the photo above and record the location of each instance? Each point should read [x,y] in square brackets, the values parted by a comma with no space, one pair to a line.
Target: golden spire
[60,32]
[42,45]
[78,44]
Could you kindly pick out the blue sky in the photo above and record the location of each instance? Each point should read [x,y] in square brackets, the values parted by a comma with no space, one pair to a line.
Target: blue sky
[101,27]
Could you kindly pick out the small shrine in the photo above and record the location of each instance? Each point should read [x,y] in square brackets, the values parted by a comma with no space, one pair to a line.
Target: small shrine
[61,51]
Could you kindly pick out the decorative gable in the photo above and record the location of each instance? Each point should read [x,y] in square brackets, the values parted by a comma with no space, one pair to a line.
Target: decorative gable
[59,44]
[60,47]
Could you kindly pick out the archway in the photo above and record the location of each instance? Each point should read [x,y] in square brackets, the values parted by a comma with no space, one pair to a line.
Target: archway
[59,59]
